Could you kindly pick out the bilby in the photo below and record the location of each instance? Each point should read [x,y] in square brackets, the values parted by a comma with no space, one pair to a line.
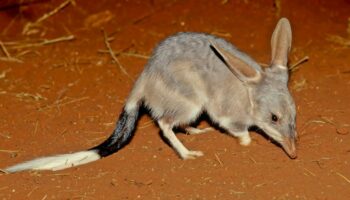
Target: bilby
[192,73]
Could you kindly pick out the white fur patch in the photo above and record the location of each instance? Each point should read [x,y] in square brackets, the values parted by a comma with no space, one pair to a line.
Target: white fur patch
[252,105]
[194,112]
[57,162]
[245,140]
[130,106]
[225,121]
[281,66]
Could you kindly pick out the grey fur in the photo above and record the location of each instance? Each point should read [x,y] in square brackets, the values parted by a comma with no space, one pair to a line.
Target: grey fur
[186,76]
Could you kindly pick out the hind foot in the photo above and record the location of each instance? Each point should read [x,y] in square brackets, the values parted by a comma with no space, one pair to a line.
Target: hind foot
[191,155]
[195,131]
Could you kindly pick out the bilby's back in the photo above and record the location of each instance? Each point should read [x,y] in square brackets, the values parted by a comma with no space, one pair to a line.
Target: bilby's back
[186,75]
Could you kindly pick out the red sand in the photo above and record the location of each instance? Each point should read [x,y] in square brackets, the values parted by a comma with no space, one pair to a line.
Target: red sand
[78,94]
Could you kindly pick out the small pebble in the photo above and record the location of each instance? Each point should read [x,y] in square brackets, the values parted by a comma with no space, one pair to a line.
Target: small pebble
[342,131]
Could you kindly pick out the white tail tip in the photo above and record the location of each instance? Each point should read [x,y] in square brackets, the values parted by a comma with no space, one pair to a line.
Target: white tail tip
[57,162]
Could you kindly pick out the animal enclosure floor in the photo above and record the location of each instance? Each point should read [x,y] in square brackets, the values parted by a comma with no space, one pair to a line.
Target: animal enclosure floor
[61,91]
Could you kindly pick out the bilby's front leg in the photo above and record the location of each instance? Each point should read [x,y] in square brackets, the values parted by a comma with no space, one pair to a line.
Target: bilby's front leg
[237,129]
[243,137]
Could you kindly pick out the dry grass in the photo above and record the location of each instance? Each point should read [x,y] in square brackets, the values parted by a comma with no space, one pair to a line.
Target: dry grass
[294,67]
[221,34]
[40,42]
[146,124]
[309,172]
[30,27]
[18,45]
[341,129]
[3,171]
[3,73]
[7,57]
[130,54]
[98,19]
[25,95]
[278,6]
[111,52]
[339,40]
[8,151]
[44,197]
[343,177]
[60,103]
[219,160]
[299,85]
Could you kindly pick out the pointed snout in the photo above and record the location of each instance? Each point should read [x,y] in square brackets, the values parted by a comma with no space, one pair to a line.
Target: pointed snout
[289,146]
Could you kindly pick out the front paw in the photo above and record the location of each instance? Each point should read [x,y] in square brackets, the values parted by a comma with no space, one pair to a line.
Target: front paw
[244,140]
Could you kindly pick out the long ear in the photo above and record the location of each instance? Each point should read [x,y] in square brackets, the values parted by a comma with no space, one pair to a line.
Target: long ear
[281,42]
[243,71]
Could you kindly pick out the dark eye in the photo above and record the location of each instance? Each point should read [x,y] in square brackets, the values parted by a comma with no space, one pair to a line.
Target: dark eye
[274,117]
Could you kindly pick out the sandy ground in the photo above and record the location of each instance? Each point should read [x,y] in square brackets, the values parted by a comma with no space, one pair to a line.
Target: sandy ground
[60,92]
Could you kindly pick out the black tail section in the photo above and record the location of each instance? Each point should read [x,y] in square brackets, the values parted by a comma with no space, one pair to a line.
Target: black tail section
[122,134]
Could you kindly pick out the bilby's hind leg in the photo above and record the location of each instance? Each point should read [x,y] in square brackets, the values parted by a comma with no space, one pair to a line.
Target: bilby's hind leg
[176,143]
[195,131]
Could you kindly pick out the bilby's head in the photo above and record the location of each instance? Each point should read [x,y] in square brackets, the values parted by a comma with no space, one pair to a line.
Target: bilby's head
[272,106]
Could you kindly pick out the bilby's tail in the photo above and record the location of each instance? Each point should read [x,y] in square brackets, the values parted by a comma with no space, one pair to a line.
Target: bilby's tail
[121,135]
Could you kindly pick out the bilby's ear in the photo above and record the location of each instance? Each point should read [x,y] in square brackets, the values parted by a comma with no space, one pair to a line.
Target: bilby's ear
[281,42]
[242,70]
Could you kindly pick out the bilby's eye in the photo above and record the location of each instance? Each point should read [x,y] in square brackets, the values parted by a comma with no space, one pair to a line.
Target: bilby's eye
[274,118]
